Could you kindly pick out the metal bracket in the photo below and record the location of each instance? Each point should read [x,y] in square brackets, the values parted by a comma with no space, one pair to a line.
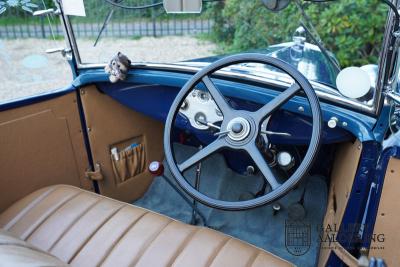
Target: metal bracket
[62,50]
[393,96]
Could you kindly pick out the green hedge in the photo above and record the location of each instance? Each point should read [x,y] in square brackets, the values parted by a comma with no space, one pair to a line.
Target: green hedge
[352,30]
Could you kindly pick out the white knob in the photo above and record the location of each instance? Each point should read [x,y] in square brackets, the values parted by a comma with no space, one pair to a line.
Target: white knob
[332,123]
[285,160]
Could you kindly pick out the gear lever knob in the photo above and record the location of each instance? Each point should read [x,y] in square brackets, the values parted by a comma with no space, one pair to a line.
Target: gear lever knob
[156,168]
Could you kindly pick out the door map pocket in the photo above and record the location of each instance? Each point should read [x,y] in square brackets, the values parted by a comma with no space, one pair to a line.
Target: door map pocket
[128,161]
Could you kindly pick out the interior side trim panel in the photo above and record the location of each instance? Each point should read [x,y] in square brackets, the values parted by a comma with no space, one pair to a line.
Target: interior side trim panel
[41,145]
[112,125]
[342,179]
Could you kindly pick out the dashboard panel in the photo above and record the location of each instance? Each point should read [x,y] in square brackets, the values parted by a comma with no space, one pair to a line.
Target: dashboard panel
[155,100]
[151,91]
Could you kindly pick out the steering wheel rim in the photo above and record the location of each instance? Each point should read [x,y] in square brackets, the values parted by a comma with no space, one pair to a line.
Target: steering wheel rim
[301,83]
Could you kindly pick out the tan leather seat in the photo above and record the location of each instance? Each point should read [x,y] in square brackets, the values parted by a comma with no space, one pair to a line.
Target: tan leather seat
[81,228]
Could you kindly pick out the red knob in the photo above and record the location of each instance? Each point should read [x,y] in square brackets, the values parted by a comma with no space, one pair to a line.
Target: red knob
[156,168]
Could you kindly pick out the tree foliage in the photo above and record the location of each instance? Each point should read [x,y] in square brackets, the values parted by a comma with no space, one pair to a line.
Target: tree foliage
[352,30]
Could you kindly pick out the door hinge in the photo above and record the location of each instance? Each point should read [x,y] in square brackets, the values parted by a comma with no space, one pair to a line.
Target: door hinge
[95,175]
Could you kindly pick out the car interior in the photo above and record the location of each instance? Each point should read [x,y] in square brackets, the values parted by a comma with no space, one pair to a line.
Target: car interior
[51,134]
[180,166]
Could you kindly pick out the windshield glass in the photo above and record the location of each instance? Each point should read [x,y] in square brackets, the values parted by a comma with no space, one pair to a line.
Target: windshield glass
[318,39]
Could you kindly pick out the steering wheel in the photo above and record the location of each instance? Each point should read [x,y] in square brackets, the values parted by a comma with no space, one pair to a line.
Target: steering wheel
[240,130]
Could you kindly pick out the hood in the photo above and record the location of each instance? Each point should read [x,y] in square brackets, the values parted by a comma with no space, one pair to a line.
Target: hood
[306,57]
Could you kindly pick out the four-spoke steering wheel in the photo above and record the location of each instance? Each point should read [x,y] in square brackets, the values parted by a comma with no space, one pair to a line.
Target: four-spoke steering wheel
[240,130]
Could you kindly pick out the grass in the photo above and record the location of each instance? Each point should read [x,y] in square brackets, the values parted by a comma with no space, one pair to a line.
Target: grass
[136,37]
[56,37]
[204,37]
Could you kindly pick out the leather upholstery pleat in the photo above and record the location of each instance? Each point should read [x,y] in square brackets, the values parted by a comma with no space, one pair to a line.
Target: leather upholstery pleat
[84,229]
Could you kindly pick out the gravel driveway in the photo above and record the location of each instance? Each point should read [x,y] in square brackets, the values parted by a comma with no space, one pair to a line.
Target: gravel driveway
[27,70]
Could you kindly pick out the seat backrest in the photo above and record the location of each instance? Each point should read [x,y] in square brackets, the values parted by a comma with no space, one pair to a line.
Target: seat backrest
[16,252]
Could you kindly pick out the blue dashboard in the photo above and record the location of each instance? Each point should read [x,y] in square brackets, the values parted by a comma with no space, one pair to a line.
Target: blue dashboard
[155,101]
[152,92]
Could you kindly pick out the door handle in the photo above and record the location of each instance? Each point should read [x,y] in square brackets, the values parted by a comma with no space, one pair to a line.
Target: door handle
[62,50]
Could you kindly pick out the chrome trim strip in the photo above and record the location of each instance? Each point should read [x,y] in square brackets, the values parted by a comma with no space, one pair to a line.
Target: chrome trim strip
[70,33]
[382,73]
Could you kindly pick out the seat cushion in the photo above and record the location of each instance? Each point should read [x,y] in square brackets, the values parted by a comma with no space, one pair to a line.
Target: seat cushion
[81,228]
[18,253]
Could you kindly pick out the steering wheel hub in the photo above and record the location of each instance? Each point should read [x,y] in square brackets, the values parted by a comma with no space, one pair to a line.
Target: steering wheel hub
[239,129]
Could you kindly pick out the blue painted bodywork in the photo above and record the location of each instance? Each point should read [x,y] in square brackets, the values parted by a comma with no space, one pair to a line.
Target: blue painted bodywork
[356,205]
[379,179]
[382,125]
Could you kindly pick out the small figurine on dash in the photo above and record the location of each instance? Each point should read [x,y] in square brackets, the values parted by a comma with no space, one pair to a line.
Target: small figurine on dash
[118,67]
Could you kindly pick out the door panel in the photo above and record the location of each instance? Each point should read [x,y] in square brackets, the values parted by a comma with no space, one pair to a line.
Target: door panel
[388,218]
[111,124]
[41,145]
[342,179]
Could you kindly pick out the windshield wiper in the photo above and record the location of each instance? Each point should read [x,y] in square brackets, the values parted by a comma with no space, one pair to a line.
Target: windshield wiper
[105,23]
[117,4]
[317,40]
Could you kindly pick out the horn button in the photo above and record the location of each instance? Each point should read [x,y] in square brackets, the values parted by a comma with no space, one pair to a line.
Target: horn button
[239,129]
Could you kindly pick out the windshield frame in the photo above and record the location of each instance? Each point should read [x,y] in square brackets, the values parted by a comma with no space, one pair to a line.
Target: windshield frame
[320,89]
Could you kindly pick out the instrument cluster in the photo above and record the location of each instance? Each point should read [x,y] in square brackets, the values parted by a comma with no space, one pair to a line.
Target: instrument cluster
[200,109]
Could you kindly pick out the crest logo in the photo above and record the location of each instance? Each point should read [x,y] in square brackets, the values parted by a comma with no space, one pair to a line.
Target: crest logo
[297,237]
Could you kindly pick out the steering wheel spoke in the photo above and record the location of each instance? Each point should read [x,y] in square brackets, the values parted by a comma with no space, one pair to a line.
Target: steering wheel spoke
[277,102]
[262,165]
[217,95]
[202,154]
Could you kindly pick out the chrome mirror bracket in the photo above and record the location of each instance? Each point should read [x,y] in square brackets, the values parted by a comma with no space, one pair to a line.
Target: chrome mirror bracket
[393,96]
